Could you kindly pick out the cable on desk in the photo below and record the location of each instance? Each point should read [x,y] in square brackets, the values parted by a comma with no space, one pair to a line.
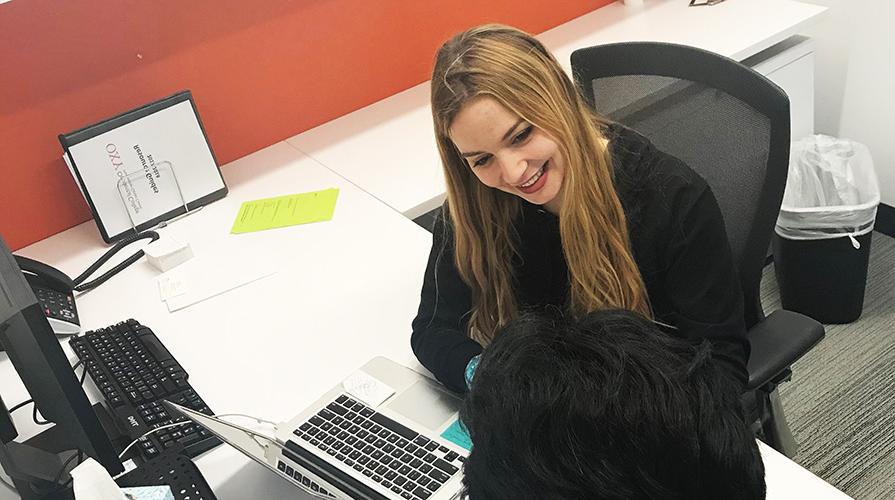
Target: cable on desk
[256,419]
[135,441]
[28,401]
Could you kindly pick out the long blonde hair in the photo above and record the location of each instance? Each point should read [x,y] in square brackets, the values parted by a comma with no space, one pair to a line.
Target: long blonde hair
[515,69]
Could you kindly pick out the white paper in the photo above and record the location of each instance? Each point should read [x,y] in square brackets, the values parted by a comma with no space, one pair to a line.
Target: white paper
[368,389]
[171,286]
[141,156]
[92,482]
[203,278]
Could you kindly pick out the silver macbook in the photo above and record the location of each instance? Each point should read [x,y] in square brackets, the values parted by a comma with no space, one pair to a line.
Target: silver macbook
[384,432]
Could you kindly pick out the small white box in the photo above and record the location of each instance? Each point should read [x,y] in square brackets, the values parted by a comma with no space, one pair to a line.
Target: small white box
[167,253]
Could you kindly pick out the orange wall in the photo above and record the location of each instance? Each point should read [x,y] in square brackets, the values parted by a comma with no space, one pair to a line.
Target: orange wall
[259,70]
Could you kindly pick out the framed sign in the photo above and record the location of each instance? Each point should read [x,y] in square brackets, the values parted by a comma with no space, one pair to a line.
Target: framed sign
[143,167]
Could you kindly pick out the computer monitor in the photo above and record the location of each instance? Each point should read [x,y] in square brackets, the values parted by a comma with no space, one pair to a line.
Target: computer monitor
[45,371]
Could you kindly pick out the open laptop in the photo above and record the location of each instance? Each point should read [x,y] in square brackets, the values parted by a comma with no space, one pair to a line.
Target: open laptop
[374,436]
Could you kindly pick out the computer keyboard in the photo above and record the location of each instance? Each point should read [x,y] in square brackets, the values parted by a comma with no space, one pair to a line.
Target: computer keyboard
[135,371]
[401,460]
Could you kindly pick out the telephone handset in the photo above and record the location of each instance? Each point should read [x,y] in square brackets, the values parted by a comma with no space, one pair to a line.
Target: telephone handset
[55,290]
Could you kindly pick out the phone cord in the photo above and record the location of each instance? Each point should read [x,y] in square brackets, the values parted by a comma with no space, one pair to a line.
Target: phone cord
[81,286]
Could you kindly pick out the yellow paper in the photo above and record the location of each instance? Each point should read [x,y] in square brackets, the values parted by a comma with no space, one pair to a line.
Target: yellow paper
[282,211]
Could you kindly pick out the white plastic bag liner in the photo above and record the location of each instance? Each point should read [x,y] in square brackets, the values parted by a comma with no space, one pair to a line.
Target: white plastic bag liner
[831,191]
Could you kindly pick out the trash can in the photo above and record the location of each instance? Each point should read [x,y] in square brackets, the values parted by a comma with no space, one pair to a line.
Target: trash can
[822,238]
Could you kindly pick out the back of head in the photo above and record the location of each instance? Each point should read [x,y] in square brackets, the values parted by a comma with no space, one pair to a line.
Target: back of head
[605,407]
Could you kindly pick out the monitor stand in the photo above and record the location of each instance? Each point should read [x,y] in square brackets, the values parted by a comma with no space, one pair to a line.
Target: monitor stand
[35,464]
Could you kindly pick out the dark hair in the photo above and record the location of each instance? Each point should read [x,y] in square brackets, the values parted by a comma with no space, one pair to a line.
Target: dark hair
[608,407]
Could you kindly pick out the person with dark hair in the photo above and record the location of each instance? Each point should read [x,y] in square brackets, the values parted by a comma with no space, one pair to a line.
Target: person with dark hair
[605,407]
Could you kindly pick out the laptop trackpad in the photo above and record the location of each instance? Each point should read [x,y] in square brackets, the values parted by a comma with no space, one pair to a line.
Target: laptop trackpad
[426,405]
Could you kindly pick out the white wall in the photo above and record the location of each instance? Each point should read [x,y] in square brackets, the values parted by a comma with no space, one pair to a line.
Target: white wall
[855,79]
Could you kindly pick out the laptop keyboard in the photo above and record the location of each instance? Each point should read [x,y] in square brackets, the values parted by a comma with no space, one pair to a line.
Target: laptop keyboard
[401,460]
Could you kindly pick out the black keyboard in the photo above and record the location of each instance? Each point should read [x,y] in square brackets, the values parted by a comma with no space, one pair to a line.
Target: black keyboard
[401,460]
[134,371]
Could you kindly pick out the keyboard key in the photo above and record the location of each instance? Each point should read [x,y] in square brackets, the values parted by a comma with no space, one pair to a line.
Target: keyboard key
[446,467]
[338,410]
[393,426]
[439,476]
[451,456]
[325,414]
[421,492]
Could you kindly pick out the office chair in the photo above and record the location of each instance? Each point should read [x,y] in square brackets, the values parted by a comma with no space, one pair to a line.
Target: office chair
[732,126]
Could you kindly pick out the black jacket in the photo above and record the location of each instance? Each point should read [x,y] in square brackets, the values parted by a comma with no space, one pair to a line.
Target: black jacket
[678,241]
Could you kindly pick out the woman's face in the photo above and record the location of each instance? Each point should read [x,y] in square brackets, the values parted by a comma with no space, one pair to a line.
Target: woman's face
[506,152]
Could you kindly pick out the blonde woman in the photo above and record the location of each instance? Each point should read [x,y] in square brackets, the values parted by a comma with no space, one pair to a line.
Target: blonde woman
[551,207]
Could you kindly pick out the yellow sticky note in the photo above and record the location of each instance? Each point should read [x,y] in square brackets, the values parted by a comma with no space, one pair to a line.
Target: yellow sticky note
[282,211]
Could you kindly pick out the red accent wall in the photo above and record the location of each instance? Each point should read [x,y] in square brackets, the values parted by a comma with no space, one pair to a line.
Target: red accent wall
[259,70]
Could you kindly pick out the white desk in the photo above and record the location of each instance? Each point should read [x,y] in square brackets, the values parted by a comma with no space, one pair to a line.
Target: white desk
[388,148]
[345,290]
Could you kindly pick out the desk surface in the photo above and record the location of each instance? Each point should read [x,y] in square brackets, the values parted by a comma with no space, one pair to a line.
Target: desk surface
[344,291]
[388,148]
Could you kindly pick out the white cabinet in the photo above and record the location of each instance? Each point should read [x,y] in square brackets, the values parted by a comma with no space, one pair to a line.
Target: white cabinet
[790,64]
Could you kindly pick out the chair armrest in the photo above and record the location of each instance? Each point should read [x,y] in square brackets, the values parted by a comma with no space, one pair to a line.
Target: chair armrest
[777,342]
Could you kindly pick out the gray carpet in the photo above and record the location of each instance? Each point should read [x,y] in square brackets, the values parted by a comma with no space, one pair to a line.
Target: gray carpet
[841,401]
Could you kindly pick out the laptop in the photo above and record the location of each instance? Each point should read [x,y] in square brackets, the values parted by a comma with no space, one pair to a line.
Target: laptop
[376,435]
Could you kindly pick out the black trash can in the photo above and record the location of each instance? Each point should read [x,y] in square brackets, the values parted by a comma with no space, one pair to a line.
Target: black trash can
[822,237]
[824,279]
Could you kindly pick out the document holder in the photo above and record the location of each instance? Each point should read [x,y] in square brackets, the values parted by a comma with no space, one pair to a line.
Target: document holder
[144,167]
[136,186]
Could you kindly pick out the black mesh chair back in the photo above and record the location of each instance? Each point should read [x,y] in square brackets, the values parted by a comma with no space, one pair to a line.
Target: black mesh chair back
[729,123]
